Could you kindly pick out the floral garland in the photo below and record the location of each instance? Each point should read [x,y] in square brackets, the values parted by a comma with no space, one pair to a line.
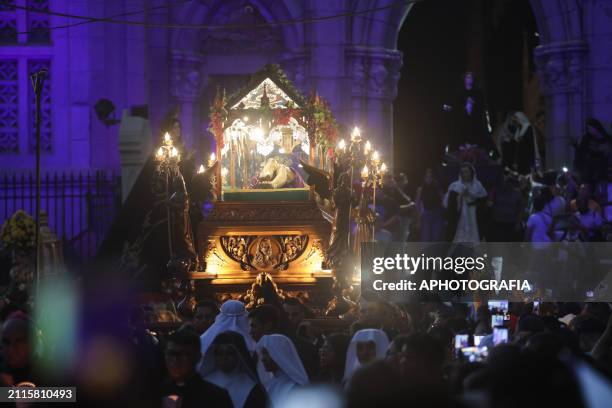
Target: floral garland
[218,115]
[19,231]
[281,117]
[323,123]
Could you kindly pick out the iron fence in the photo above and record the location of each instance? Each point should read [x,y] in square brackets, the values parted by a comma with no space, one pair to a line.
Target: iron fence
[80,205]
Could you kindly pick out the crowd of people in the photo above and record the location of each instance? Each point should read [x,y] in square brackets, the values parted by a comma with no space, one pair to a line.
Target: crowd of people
[555,354]
[417,354]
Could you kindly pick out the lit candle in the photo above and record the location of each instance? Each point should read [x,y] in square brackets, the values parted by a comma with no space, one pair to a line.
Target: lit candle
[173,152]
[383,168]
[356,135]
[160,153]
[341,145]
[365,172]
[375,157]
[258,133]
[167,138]
[367,147]
[201,169]
[212,159]
[245,119]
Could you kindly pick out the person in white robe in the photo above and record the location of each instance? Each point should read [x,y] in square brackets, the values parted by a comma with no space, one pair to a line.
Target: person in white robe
[278,356]
[233,317]
[461,202]
[228,364]
[367,345]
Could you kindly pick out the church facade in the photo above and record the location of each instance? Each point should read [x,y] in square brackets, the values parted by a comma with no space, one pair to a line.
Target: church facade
[162,54]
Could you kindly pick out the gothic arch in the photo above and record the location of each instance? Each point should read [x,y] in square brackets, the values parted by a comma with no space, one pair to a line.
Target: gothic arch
[379,28]
[205,12]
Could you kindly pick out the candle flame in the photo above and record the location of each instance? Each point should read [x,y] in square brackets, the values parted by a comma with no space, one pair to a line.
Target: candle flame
[375,156]
[383,168]
[160,152]
[341,144]
[355,134]
[365,172]
[167,137]
[201,169]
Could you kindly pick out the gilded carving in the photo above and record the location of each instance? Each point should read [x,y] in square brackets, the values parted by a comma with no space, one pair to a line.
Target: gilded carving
[267,252]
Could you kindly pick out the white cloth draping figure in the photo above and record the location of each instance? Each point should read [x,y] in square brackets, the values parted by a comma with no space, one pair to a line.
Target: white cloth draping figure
[366,345]
[229,364]
[278,355]
[517,143]
[461,204]
[233,316]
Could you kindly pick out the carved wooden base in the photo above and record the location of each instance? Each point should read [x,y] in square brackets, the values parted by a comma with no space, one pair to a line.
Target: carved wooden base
[238,240]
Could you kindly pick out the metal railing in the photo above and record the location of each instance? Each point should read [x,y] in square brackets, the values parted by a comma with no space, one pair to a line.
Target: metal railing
[80,205]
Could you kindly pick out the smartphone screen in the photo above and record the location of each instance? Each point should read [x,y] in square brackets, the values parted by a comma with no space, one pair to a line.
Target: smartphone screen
[477,340]
[498,306]
[461,340]
[500,335]
[474,354]
[497,320]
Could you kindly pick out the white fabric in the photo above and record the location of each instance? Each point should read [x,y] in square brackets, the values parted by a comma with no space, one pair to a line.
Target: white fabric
[232,316]
[504,133]
[238,383]
[291,371]
[377,336]
[524,125]
[468,192]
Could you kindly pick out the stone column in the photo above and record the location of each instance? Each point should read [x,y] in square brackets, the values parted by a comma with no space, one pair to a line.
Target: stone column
[375,73]
[186,84]
[561,70]
[326,42]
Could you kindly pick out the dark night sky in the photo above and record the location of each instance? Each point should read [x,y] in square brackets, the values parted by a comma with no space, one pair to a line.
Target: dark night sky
[434,40]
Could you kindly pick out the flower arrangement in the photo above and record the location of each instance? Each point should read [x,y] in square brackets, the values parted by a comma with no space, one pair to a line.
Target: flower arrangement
[19,231]
[323,121]
[218,115]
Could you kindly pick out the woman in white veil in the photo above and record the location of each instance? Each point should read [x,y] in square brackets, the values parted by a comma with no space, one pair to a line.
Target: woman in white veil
[367,345]
[462,200]
[233,317]
[277,355]
[229,364]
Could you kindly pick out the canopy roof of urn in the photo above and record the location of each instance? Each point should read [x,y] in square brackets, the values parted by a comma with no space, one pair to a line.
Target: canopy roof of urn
[269,85]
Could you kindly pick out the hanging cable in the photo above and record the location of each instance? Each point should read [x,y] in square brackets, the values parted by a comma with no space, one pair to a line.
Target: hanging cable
[112,19]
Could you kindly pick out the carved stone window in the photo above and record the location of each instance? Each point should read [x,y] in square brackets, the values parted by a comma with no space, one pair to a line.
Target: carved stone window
[17,106]
[8,22]
[9,107]
[38,23]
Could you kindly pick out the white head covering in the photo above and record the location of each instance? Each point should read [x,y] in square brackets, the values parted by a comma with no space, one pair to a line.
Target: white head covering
[283,352]
[233,317]
[474,187]
[377,336]
[238,384]
[504,132]
[291,371]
